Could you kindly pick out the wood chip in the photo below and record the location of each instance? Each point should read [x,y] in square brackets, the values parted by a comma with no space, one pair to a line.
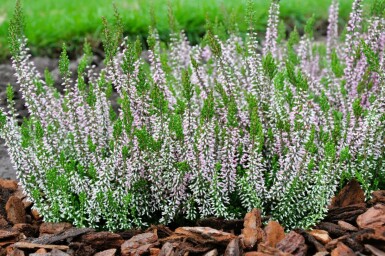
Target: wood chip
[333,229]
[375,251]
[321,235]
[4,234]
[347,213]
[70,233]
[346,226]
[27,245]
[350,194]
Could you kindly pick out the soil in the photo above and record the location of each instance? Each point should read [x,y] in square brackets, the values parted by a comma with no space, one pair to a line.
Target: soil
[6,168]
[7,77]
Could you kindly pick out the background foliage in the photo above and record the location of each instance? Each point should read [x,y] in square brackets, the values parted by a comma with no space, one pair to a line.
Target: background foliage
[50,23]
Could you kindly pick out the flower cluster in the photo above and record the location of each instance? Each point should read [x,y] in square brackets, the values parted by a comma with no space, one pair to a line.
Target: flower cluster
[209,130]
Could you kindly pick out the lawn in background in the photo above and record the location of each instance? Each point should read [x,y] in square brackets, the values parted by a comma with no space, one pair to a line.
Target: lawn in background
[50,23]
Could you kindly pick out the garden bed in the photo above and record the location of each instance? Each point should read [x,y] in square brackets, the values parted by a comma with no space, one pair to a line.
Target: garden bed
[85,22]
[231,128]
[352,226]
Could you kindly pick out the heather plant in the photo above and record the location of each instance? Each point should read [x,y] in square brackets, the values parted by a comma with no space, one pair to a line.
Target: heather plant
[209,130]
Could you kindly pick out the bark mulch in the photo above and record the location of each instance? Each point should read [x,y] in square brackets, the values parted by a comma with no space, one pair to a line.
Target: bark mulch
[352,227]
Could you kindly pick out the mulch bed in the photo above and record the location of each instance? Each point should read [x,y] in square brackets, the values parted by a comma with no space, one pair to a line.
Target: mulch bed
[352,227]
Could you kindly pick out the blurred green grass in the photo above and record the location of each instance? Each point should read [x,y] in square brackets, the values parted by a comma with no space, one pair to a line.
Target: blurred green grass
[50,23]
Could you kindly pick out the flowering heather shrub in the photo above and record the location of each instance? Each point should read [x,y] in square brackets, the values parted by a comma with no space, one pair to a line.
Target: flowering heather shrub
[210,130]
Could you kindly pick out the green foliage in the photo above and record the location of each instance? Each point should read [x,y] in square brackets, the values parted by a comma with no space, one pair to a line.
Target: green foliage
[378,8]
[16,29]
[208,110]
[214,44]
[64,63]
[84,22]
[269,66]
[324,103]
[188,88]
[173,24]
[357,108]
[112,35]
[10,94]
[250,14]
[292,41]
[232,114]
[48,78]
[336,66]
[132,54]
[296,78]
[309,28]
[3,119]
[371,57]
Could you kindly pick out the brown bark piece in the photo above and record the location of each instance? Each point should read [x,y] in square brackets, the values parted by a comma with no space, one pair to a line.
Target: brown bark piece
[167,250]
[27,245]
[180,238]
[267,250]
[213,252]
[321,235]
[131,247]
[41,251]
[203,235]
[310,240]
[378,197]
[322,254]
[128,234]
[8,184]
[70,233]
[102,240]
[27,203]
[35,214]
[293,243]
[56,252]
[233,248]
[15,210]
[110,252]
[19,193]
[373,218]
[342,250]
[346,226]
[333,229]
[221,224]
[3,222]
[377,240]
[4,234]
[154,251]
[254,253]
[16,252]
[54,228]
[191,248]
[82,249]
[353,244]
[27,229]
[252,233]
[160,230]
[375,251]
[347,213]
[274,233]
[333,243]
[351,194]
[9,242]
